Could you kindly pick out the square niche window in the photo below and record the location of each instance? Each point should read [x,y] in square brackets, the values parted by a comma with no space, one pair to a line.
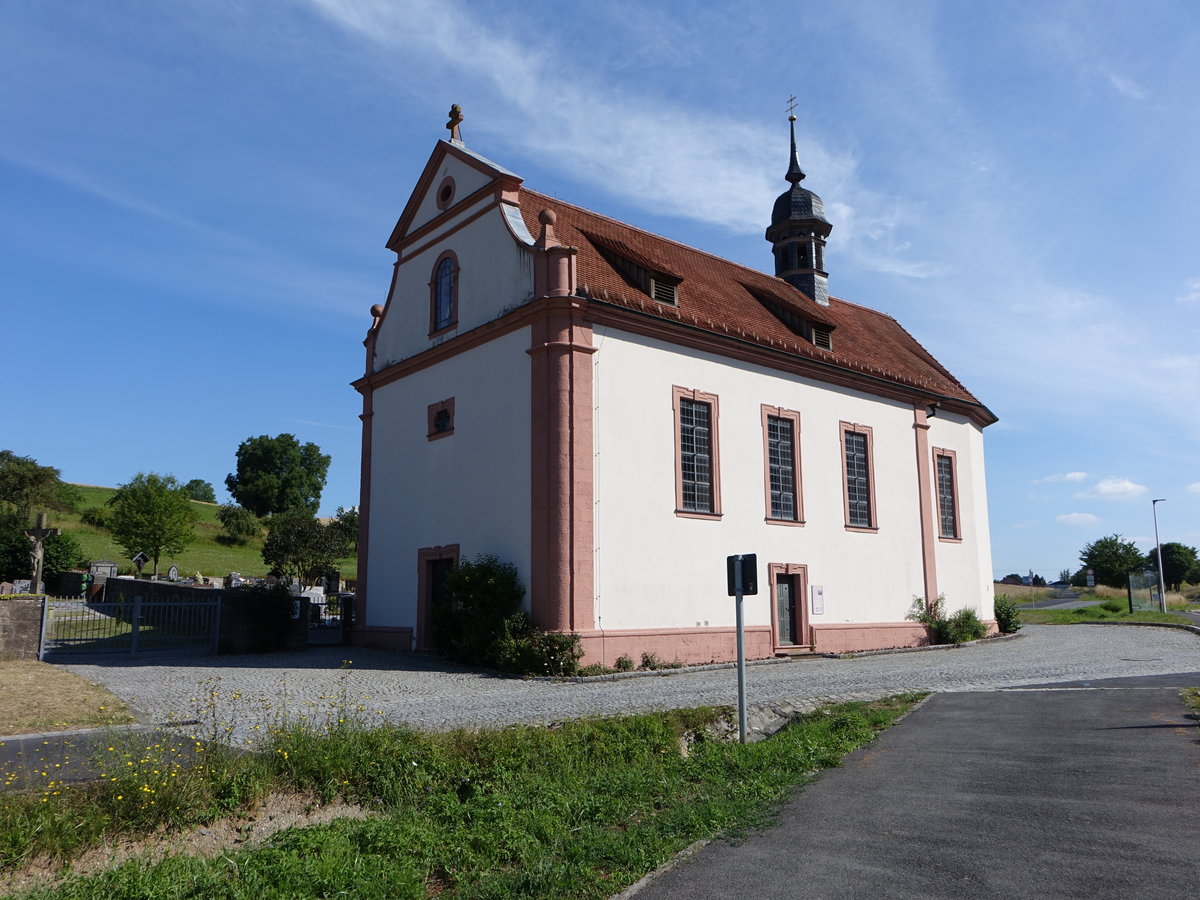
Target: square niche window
[441,419]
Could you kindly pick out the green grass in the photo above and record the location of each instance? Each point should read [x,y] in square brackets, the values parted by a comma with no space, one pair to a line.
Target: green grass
[205,554]
[579,810]
[1095,614]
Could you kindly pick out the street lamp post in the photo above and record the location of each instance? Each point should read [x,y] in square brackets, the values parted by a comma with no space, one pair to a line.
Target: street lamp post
[1162,588]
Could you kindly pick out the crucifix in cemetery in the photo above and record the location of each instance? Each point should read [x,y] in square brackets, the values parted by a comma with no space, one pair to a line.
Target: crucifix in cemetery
[37,536]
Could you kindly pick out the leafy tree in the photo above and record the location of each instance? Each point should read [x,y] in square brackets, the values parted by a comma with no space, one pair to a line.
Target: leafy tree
[152,515]
[60,553]
[300,547]
[1037,581]
[278,475]
[1064,575]
[26,487]
[1014,578]
[196,489]
[1178,562]
[239,523]
[345,523]
[1111,558]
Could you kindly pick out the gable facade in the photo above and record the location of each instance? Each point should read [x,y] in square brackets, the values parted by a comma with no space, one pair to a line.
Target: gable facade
[615,413]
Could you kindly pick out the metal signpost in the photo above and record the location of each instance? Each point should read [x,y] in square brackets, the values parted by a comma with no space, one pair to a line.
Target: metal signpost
[742,575]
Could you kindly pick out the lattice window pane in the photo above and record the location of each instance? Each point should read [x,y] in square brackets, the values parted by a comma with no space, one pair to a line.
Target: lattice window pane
[695,449]
[858,487]
[945,493]
[781,458]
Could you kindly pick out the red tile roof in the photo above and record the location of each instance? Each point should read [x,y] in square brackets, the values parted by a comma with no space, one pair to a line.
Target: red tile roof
[717,295]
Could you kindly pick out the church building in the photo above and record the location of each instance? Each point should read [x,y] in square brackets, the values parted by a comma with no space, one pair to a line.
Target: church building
[616,413]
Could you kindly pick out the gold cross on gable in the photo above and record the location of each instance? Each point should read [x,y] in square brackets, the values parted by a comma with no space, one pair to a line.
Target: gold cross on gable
[792,105]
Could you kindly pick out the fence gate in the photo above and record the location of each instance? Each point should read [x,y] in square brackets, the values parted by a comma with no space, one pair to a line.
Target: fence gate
[130,625]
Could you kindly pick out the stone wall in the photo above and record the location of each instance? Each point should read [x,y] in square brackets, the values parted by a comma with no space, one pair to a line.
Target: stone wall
[20,627]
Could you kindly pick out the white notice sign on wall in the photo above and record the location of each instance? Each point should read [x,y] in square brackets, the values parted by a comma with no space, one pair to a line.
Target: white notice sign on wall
[818,600]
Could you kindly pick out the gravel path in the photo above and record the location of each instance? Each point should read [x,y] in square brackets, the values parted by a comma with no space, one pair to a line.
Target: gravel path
[239,697]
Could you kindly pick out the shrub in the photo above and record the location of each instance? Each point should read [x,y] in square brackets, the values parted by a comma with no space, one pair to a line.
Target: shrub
[624,663]
[470,621]
[96,516]
[651,662]
[525,650]
[932,616]
[964,626]
[239,523]
[1008,619]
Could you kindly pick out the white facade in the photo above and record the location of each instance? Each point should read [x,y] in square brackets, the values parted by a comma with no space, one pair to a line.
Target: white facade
[540,425]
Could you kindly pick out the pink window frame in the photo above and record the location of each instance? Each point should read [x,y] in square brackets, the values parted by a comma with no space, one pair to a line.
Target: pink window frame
[425,556]
[432,434]
[797,479]
[803,624]
[937,504]
[855,427]
[434,331]
[678,393]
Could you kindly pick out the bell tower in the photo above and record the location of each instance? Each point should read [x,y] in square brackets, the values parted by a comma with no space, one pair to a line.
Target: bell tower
[798,232]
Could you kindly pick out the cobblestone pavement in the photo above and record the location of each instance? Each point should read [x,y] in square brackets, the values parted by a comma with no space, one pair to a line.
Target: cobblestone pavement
[248,694]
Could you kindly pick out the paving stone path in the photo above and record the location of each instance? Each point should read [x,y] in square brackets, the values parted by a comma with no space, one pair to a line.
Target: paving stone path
[242,696]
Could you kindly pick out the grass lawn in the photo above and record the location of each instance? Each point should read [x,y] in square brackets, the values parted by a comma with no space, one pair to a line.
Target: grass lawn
[578,810]
[1095,614]
[36,696]
[205,555]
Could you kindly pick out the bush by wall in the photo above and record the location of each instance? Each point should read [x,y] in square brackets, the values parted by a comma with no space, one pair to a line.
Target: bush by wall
[1008,619]
[479,622]
[959,628]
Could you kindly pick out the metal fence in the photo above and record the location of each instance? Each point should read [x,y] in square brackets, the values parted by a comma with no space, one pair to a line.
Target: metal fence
[129,626]
[327,619]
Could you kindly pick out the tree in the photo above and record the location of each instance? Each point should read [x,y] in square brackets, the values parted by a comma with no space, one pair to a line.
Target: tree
[278,475]
[1111,559]
[1037,581]
[26,487]
[152,515]
[1178,561]
[1065,575]
[345,523]
[196,489]
[298,546]
[239,523]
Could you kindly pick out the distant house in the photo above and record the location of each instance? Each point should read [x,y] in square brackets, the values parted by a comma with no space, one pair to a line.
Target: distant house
[616,412]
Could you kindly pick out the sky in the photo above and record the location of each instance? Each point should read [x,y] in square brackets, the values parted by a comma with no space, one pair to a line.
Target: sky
[195,197]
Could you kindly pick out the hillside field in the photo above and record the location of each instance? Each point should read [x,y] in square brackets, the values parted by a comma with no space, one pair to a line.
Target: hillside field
[204,555]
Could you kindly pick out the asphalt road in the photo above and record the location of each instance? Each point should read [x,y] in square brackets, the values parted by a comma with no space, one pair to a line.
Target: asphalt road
[1087,789]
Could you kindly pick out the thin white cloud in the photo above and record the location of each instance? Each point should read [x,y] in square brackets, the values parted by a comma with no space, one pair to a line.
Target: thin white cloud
[1112,488]
[1064,476]
[85,183]
[1127,87]
[1191,292]
[1078,519]
[714,168]
[1194,487]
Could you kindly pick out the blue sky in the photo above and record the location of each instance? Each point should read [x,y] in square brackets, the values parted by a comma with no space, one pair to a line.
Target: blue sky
[194,198]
